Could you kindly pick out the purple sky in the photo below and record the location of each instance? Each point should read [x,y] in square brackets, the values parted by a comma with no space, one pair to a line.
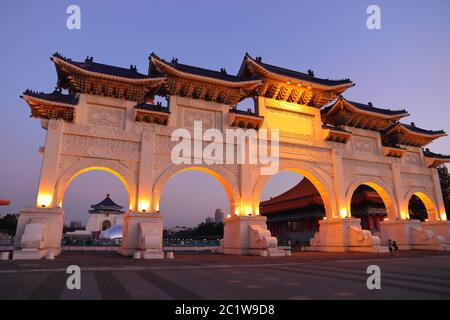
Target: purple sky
[404,65]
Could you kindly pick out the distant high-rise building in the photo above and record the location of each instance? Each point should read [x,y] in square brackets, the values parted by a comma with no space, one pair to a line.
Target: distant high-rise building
[219,216]
[209,220]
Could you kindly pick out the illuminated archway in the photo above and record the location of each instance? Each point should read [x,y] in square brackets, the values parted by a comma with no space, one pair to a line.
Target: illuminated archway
[430,208]
[85,166]
[323,188]
[383,190]
[220,174]
[293,215]
[367,205]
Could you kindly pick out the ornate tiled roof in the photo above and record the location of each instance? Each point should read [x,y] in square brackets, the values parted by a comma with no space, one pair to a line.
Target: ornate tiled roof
[309,77]
[208,73]
[412,127]
[106,205]
[367,107]
[409,134]
[55,96]
[89,65]
[365,116]
[430,154]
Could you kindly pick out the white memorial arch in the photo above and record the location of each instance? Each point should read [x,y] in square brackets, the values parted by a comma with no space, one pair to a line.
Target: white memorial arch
[108,121]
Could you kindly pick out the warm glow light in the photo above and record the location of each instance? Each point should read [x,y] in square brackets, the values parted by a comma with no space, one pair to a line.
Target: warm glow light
[403,215]
[237,211]
[44,200]
[144,205]
[343,213]
[385,219]
[288,82]
[228,215]
[257,211]
[426,220]
[248,211]
[299,85]
[309,87]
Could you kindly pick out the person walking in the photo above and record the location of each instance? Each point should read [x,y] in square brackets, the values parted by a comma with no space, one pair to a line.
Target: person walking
[394,245]
[390,246]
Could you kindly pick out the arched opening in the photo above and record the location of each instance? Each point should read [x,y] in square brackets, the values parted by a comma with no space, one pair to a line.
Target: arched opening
[382,190]
[420,207]
[106,225]
[293,207]
[65,180]
[367,205]
[194,202]
[94,201]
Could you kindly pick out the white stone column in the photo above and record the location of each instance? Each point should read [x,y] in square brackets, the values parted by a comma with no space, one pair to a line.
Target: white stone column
[440,207]
[47,180]
[401,210]
[341,209]
[144,201]
[245,183]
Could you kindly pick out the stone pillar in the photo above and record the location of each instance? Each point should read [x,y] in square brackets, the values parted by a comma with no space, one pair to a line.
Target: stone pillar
[142,233]
[339,232]
[440,213]
[438,223]
[248,235]
[145,179]
[401,211]
[38,233]
[341,208]
[47,180]
[245,182]
[343,235]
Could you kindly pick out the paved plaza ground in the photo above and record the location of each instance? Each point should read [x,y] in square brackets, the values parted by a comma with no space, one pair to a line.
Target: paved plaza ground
[304,275]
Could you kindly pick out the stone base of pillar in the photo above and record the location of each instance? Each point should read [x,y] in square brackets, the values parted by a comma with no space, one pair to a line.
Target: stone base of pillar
[38,233]
[248,235]
[345,235]
[440,228]
[143,232]
[409,235]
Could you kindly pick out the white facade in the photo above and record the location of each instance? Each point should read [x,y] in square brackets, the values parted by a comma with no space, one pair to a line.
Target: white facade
[104,135]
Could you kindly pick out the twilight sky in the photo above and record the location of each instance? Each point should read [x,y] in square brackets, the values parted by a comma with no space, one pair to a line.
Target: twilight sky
[404,65]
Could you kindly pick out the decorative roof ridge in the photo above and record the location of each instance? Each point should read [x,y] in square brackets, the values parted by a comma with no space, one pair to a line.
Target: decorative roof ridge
[365,107]
[202,72]
[310,74]
[430,154]
[412,127]
[107,202]
[55,96]
[108,69]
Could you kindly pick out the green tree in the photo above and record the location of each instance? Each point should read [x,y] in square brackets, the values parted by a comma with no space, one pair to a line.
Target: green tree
[8,224]
[444,177]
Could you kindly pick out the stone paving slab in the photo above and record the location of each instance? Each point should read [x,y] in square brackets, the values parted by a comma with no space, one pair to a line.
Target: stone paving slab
[303,276]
